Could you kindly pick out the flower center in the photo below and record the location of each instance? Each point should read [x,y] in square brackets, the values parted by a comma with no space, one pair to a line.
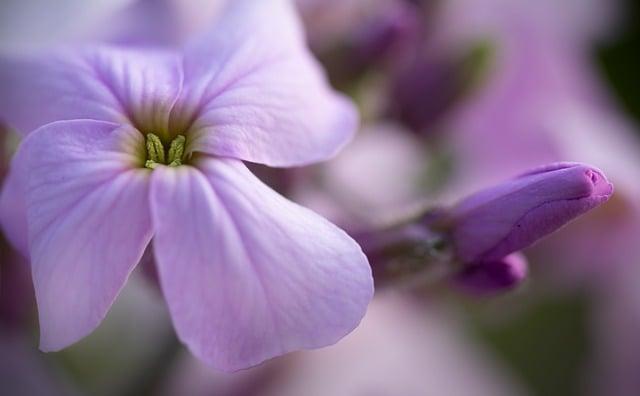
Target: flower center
[157,155]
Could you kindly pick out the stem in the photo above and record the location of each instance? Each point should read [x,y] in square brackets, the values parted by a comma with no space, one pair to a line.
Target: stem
[151,378]
[407,255]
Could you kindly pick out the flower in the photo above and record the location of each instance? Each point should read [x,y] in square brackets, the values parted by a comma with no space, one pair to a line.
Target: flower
[491,224]
[132,146]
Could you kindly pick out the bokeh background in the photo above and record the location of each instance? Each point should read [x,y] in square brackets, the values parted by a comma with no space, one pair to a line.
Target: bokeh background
[455,95]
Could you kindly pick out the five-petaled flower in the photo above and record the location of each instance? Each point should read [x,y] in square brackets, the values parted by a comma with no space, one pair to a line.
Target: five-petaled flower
[134,145]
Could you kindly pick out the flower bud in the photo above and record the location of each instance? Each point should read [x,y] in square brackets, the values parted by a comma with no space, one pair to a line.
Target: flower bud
[394,25]
[377,37]
[492,277]
[422,91]
[508,217]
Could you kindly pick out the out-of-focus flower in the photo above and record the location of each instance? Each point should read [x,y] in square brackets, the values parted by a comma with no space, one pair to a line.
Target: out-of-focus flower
[344,190]
[134,145]
[192,377]
[578,21]
[164,23]
[511,216]
[492,276]
[423,89]
[330,21]
[371,43]
[27,25]
[393,25]
[33,25]
[402,348]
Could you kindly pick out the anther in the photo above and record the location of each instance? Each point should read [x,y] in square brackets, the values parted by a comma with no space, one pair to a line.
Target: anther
[176,151]
[156,151]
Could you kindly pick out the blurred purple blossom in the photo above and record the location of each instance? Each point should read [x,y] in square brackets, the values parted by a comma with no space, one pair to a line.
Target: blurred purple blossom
[423,90]
[101,176]
[344,191]
[422,346]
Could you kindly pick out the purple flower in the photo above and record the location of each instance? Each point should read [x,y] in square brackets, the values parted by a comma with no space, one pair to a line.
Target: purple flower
[489,225]
[135,145]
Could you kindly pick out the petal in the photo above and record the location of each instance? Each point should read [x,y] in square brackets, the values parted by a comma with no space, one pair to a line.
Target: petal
[88,221]
[255,92]
[247,274]
[510,216]
[106,84]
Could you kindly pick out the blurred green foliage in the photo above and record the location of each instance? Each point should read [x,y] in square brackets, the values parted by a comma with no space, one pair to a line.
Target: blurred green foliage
[545,345]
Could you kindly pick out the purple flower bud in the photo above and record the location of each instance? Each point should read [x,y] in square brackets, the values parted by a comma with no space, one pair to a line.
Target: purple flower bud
[511,216]
[493,276]
[378,38]
[373,41]
[423,90]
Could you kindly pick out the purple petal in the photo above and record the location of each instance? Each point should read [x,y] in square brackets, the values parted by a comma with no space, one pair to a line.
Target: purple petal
[509,217]
[103,84]
[247,274]
[256,93]
[88,220]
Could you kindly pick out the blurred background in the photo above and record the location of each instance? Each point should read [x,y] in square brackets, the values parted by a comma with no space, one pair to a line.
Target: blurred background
[455,95]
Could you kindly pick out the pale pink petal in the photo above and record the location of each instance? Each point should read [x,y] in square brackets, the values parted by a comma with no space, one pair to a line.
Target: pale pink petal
[88,221]
[247,274]
[254,92]
[105,84]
